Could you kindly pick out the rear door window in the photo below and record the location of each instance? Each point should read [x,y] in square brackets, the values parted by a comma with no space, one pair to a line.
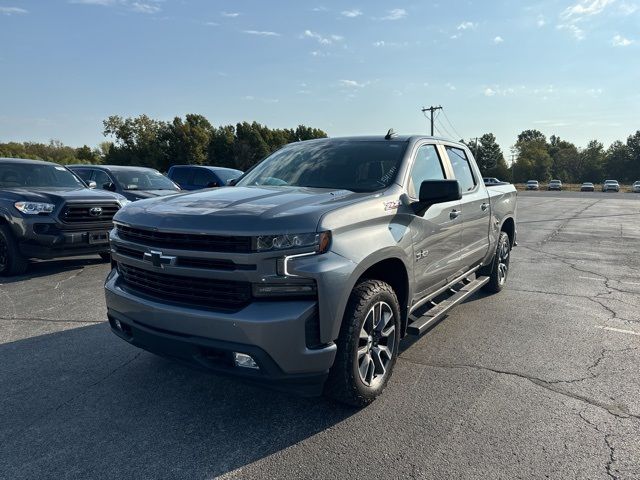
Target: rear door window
[461,168]
[203,178]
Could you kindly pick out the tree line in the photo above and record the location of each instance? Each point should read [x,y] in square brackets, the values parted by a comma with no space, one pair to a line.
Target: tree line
[144,141]
[536,158]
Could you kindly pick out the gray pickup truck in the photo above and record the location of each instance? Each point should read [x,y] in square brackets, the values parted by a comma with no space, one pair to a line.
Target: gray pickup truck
[308,272]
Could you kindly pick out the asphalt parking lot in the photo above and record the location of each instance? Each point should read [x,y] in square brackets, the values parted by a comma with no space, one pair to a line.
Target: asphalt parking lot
[539,381]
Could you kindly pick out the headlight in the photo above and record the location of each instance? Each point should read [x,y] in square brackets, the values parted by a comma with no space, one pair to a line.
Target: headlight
[34,208]
[295,240]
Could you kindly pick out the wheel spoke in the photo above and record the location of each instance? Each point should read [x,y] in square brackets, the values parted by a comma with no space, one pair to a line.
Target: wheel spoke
[384,352]
[389,331]
[363,367]
[380,368]
[362,351]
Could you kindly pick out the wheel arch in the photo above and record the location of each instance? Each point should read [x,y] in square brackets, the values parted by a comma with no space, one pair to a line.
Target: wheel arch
[509,227]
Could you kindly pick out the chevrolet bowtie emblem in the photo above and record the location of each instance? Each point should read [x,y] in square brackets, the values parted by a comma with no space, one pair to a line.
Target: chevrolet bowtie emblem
[158,259]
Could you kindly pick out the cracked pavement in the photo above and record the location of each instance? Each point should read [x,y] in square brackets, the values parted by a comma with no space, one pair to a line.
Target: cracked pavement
[539,381]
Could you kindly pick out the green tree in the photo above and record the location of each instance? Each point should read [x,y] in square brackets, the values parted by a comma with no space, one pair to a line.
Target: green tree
[533,161]
[565,160]
[187,142]
[617,161]
[592,161]
[633,144]
[138,141]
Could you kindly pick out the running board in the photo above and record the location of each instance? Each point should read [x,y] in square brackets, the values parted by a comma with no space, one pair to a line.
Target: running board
[419,325]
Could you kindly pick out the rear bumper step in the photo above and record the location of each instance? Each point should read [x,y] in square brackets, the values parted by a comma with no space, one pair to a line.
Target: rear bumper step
[420,324]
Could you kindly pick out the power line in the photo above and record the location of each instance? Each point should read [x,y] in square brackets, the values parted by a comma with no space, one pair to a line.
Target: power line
[452,127]
[442,127]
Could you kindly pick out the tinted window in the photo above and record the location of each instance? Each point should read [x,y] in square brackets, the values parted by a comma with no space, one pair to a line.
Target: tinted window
[181,176]
[461,168]
[83,173]
[101,178]
[427,166]
[143,180]
[203,178]
[20,175]
[359,166]
[226,175]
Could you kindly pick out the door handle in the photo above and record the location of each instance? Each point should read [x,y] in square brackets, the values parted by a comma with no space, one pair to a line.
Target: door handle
[453,214]
[484,207]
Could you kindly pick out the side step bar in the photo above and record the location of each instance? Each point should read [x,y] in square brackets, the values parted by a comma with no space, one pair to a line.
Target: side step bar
[419,325]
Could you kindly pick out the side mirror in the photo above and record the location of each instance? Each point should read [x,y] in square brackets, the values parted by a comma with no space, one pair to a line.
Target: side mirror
[437,191]
[109,186]
[91,184]
[232,182]
[212,184]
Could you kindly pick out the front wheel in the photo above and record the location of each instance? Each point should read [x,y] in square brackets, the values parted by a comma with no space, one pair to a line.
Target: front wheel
[500,265]
[11,260]
[367,345]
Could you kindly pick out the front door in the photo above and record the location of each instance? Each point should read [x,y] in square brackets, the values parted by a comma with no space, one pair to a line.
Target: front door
[437,233]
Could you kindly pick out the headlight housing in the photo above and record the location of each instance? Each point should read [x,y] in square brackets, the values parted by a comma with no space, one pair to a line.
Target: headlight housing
[34,208]
[320,241]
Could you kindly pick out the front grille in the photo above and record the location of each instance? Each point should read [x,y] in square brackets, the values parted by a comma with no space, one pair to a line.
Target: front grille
[89,213]
[186,241]
[215,294]
[190,262]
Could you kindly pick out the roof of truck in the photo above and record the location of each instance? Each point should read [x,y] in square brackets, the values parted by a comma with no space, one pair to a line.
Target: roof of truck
[382,138]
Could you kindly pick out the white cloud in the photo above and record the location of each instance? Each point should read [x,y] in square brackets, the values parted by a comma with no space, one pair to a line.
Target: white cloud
[351,13]
[230,14]
[12,11]
[489,92]
[498,40]
[212,24]
[353,84]
[395,14]
[467,26]
[451,87]
[628,8]
[620,41]
[383,43]
[262,33]
[541,22]
[585,8]
[322,40]
[576,31]
[144,7]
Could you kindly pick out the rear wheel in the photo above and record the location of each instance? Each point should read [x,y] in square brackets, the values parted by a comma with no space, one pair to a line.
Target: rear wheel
[500,265]
[11,260]
[367,345]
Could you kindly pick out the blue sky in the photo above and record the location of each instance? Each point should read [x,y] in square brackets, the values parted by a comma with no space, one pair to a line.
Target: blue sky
[566,67]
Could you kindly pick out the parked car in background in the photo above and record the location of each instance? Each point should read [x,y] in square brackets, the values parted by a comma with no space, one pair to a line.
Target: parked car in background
[491,181]
[587,187]
[635,188]
[134,183]
[554,185]
[532,185]
[46,211]
[610,186]
[195,177]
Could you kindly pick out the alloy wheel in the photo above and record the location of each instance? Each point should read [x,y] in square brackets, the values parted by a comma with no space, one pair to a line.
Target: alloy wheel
[4,254]
[376,344]
[503,262]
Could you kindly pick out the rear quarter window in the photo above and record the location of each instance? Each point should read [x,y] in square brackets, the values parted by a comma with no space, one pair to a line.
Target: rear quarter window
[461,168]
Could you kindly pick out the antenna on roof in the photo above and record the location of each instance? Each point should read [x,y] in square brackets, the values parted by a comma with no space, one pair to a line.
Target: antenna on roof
[390,134]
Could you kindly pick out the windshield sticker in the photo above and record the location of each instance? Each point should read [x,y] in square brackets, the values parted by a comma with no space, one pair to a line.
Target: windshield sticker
[392,205]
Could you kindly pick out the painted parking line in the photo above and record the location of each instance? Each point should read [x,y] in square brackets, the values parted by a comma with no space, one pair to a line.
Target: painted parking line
[592,278]
[619,330]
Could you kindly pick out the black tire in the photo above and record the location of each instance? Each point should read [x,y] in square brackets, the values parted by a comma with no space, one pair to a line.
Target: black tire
[347,383]
[106,256]
[498,270]
[11,260]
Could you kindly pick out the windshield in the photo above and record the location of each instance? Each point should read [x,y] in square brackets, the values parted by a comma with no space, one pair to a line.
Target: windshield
[611,181]
[34,175]
[226,175]
[359,166]
[143,180]
[532,181]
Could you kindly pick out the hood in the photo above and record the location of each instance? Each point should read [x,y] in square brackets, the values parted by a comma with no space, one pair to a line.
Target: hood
[58,195]
[238,210]
[134,195]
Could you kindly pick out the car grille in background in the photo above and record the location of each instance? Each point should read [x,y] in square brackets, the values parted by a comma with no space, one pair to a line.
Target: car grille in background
[186,241]
[215,294]
[89,213]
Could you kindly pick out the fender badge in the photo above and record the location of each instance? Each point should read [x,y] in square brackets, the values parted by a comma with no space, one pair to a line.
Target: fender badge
[392,205]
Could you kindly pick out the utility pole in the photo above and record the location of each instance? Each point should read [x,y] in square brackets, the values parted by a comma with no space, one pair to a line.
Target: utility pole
[431,110]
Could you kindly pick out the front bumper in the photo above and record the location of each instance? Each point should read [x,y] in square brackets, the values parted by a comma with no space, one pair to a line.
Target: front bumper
[272,332]
[45,238]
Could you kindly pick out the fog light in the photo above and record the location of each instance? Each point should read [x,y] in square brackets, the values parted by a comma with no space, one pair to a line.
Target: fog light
[117,324]
[245,361]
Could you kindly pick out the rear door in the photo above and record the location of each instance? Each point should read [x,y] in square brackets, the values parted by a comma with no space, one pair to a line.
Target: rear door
[204,178]
[437,233]
[183,176]
[475,208]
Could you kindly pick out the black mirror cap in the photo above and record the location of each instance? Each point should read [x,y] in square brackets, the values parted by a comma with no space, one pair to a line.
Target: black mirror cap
[439,191]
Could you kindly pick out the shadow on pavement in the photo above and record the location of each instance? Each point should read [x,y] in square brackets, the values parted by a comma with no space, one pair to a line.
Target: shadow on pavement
[43,268]
[83,404]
